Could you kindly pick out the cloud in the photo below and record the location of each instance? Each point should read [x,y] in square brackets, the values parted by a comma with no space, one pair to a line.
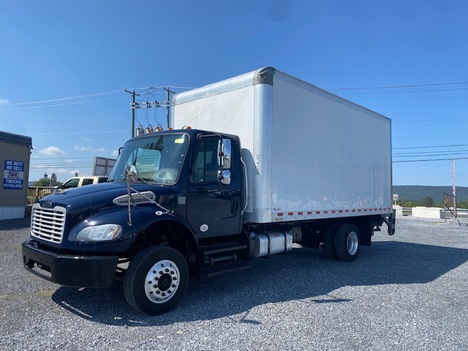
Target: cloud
[4,102]
[89,149]
[87,140]
[52,151]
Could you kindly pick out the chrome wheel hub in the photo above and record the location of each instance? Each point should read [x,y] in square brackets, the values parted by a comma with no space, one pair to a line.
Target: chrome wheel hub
[162,281]
[352,243]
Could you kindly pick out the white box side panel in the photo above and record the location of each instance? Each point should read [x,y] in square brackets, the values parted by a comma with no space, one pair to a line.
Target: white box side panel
[230,112]
[330,157]
[260,209]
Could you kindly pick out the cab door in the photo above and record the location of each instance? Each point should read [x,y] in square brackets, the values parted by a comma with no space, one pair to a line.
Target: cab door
[214,196]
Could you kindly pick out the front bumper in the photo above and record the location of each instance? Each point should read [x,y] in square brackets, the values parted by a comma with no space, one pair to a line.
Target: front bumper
[70,270]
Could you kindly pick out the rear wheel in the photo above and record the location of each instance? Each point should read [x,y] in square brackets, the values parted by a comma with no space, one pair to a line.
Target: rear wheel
[156,280]
[347,242]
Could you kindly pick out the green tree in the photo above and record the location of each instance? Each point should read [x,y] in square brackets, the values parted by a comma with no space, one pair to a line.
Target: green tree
[407,203]
[42,182]
[427,202]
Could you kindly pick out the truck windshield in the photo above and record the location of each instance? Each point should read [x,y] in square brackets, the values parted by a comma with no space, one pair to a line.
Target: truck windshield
[158,159]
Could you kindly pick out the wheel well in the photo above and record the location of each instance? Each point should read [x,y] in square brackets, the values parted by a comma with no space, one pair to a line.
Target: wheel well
[169,233]
[315,234]
[365,226]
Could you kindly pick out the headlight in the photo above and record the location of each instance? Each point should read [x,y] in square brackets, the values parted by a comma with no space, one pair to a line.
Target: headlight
[99,233]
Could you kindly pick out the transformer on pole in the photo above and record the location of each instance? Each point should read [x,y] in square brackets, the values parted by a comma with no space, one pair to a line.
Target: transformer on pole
[149,104]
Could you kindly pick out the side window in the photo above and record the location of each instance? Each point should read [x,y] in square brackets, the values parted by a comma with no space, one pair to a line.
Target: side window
[87,181]
[72,183]
[205,168]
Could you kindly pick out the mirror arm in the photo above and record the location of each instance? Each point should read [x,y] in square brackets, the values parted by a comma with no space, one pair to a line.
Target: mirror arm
[131,177]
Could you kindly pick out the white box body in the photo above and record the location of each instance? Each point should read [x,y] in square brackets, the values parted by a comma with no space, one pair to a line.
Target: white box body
[309,154]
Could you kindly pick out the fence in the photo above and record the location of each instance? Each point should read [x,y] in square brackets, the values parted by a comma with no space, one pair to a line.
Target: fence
[38,192]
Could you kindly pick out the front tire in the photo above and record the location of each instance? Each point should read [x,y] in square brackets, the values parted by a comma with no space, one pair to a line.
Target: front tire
[347,242]
[156,280]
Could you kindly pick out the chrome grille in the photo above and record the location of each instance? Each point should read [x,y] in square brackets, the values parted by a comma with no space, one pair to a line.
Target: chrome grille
[48,223]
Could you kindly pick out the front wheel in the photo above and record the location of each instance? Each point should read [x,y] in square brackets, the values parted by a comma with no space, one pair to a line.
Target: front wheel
[347,242]
[156,280]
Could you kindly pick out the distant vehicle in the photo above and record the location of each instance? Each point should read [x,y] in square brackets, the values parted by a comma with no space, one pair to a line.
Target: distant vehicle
[272,161]
[82,181]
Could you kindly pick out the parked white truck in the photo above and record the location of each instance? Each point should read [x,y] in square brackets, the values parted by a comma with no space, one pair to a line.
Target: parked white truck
[254,164]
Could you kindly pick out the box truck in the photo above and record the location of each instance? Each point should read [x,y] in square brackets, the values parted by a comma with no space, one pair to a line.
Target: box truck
[252,166]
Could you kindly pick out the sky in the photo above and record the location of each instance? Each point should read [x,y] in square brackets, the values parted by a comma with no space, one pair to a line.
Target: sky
[65,67]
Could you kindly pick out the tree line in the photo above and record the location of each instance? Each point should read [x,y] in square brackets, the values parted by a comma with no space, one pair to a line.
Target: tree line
[428,201]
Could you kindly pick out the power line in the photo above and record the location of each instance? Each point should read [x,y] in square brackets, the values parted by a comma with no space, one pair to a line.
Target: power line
[429,147]
[15,107]
[402,86]
[149,93]
[109,92]
[431,120]
[429,154]
[88,98]
[431,160]
[405,92]
[409,88]
[433,153]
[85,97]
[84,132]
[62,158]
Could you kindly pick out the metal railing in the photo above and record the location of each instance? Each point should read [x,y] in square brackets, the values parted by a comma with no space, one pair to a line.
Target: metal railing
[37,192]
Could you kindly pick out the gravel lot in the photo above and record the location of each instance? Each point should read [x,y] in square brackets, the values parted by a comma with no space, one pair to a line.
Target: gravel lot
[406,292]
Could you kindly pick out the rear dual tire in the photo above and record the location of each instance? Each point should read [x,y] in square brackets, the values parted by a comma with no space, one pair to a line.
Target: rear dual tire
[342,242]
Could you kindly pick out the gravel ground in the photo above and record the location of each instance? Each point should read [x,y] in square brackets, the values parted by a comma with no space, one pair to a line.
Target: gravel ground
[405,292]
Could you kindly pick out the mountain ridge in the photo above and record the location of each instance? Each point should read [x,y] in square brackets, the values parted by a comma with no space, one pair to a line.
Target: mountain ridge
[419,192]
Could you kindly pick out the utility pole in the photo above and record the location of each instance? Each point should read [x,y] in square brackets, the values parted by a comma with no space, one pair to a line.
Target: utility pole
[454,190]
[133,107]
[169,91]
[150,104]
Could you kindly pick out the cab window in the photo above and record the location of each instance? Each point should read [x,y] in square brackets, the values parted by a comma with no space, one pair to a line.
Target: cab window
[72,183]
[87,181]
[205,168]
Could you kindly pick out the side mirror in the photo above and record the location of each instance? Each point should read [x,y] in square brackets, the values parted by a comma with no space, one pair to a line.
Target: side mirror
[224,152]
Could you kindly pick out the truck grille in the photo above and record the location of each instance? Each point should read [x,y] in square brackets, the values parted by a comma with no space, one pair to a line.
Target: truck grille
[48,223]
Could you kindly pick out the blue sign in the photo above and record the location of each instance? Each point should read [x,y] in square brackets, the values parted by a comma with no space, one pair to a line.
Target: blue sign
[13,174]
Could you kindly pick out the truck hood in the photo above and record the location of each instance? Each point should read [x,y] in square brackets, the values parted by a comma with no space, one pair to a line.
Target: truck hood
[92,199]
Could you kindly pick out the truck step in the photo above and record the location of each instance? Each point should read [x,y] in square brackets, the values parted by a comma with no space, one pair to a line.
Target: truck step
[225,268]
[221,248]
